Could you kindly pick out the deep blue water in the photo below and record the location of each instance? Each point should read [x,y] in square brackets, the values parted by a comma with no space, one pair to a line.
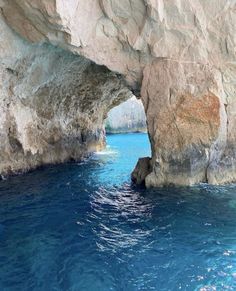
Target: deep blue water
[84,227]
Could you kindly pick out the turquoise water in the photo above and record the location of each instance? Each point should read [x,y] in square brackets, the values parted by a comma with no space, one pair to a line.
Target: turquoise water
[82,226]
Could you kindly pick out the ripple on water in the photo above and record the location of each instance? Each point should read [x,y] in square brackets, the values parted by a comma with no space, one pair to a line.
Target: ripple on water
[82,226]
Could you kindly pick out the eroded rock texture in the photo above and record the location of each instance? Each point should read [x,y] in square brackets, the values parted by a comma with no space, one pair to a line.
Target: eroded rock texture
[180,54]
[52,104]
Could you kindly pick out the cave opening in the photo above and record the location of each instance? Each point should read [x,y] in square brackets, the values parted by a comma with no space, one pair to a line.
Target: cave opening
[127,117]
[127,142]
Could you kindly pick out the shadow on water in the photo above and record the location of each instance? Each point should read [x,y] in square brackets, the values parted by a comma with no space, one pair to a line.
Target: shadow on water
[82,226]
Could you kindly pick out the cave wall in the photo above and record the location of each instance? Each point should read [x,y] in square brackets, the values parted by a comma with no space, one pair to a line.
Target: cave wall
[178,55]
[52,104]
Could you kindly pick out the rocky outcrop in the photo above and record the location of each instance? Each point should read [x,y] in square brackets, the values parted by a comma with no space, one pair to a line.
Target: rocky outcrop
[141,171]
[187,125]
[178,55]
[129,116]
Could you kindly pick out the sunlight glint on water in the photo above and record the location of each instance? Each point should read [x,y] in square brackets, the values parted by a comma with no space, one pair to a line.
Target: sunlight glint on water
[83,227]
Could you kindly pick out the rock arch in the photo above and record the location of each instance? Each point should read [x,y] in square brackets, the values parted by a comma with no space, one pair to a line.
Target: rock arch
[178,55]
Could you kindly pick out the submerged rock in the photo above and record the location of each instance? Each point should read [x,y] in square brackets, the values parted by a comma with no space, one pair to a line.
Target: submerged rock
[179,56]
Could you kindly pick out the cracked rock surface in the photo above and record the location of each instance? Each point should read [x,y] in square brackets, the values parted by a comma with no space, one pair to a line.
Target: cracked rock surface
[179,55]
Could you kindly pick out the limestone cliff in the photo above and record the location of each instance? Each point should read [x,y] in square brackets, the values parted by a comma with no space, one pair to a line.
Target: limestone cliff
[179,55]
[129,116]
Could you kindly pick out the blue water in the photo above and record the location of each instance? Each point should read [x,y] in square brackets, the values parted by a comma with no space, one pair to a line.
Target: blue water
[82,226]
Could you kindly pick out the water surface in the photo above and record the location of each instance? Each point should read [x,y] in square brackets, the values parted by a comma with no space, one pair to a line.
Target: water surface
[82,226]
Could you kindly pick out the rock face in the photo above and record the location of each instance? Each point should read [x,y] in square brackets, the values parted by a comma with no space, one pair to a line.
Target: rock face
[179,55]
[52,104]
[187,125]
[129,116]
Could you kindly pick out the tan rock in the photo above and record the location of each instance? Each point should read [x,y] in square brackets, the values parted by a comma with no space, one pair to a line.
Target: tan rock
[186,120]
